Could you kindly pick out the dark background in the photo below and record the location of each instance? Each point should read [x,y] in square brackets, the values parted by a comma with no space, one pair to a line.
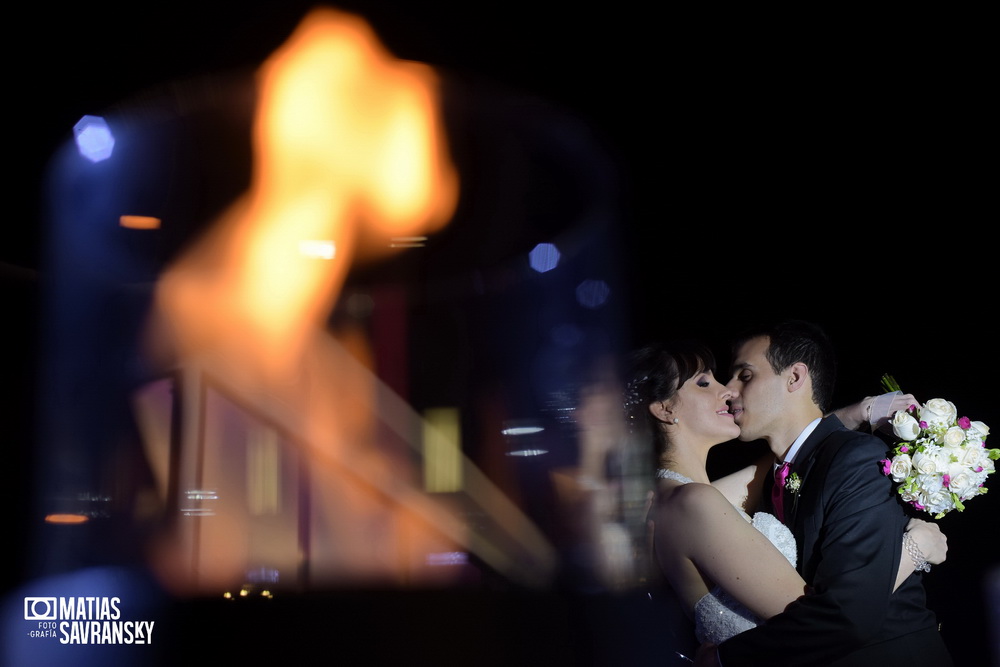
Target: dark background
[830,162]
[830,165]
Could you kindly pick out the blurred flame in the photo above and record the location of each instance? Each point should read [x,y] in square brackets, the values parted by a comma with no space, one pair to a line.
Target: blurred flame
[348,144]
[345,136]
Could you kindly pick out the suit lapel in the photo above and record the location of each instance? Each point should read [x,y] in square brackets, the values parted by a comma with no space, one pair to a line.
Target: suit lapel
[805,461]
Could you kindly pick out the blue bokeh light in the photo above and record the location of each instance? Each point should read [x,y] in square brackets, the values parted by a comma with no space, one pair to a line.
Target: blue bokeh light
[93,138]
[543,257]
[592,293]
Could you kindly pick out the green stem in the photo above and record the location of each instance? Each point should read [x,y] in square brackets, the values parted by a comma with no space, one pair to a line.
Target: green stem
[889,383]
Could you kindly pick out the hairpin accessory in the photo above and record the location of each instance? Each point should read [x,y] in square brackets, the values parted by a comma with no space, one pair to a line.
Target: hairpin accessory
[632,396]
[632,399]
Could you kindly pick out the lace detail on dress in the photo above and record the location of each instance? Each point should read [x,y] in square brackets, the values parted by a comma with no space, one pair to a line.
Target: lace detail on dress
[666,473]
[718,615]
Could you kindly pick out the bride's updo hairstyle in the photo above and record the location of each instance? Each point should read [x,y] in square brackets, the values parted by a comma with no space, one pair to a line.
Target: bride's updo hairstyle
[655,374]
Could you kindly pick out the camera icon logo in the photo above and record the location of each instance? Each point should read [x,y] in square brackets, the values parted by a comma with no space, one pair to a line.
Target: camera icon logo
[40,609]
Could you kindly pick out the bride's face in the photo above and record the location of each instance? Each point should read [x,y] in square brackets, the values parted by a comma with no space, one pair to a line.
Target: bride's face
[702,410]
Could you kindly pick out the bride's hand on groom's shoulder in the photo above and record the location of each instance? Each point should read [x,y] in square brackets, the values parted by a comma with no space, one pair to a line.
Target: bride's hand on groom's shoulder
[933,543]
[882,408]
[898,403]
[875,411]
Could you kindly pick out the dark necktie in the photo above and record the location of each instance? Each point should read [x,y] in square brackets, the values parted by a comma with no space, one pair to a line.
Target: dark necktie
[778,491]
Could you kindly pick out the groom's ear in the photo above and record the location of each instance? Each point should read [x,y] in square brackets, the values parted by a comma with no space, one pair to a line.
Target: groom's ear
[798,376]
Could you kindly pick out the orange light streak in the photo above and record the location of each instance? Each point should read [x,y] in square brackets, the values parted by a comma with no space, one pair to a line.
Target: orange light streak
[139,222]
[66,518]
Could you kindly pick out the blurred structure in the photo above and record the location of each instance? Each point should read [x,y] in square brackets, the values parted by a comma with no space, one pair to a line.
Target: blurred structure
[252,346]
[264,376]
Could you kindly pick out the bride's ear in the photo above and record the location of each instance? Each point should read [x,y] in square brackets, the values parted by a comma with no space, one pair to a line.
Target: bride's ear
[661,410]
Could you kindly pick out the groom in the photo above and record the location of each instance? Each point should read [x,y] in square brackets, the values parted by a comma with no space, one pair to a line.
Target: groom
[845,517]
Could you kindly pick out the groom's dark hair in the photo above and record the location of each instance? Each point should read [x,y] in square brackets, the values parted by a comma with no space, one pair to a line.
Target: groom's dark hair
[794,341]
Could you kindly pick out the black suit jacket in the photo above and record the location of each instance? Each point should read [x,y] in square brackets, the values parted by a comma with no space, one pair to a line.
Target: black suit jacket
[848,524]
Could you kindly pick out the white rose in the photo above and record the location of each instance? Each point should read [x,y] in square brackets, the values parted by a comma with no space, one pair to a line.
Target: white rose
[961,482]
[954,436]
[900,467]
[905,426]
[972,456]
[925,463]
[938,411]
[980,430]
[937,502]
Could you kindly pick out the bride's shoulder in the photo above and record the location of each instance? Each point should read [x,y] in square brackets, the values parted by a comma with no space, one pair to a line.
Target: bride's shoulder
[693,500]
[695,519]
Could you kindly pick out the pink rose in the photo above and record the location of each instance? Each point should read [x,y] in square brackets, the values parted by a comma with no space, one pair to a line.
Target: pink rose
[964,422]
[886,466]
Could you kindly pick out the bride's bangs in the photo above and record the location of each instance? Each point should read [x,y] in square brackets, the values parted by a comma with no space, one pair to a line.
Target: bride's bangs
[692,358]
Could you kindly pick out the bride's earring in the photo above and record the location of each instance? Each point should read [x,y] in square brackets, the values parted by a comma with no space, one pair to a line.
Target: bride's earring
[676,420]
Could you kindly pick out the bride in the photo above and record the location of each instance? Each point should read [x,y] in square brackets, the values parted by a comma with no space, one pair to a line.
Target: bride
[726,569]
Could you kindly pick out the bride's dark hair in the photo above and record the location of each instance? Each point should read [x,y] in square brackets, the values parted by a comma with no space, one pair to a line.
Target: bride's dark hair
[655,374]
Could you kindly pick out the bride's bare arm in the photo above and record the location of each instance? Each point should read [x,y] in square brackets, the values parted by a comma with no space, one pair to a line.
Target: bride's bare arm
[706,530]
[858,414]
[724,548]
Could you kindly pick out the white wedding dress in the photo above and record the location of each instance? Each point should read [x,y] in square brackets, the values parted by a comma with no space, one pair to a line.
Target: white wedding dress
[719,616]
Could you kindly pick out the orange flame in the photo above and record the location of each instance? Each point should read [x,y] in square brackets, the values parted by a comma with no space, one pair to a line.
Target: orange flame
[348,145]
[345,136]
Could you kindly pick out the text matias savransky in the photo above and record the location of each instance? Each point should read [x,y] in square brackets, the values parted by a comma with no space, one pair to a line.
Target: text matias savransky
[85,620]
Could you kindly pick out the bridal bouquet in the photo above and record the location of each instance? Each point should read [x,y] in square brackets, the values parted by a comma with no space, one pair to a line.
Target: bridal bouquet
[941,460]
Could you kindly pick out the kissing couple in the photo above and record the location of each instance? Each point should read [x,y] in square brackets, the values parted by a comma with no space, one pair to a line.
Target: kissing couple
[822,567]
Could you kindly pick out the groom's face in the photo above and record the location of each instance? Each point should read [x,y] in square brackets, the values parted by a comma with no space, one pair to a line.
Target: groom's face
[757,391]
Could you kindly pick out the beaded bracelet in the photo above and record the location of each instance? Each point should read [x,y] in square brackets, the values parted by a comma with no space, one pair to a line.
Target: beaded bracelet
[920,563]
